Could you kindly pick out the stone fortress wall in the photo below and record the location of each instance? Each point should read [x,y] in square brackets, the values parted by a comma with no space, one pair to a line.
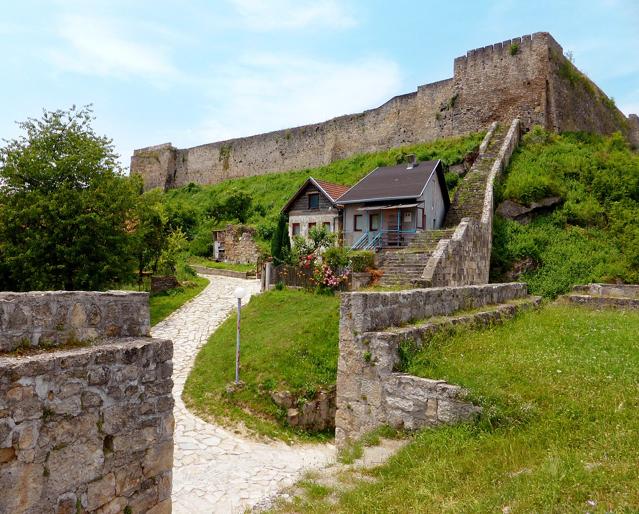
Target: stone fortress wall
[83,428]
[527,78]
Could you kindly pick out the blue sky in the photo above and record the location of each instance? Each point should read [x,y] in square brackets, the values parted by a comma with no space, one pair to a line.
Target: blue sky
[198,71]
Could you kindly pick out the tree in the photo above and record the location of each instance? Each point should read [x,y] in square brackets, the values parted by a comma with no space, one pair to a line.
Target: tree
[149,237]
[238,205]
[281,243]
[66,206]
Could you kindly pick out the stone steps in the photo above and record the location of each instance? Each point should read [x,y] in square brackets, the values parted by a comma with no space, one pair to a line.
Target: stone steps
[469,197]
[401,269]
[420,333]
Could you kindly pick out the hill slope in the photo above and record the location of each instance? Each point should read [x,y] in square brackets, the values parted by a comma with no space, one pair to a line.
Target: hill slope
[191,207]
[593,236]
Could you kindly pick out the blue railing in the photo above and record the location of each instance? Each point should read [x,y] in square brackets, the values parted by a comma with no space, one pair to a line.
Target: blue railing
[376,241]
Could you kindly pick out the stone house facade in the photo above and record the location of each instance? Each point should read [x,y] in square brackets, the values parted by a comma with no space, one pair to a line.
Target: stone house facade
[314,205]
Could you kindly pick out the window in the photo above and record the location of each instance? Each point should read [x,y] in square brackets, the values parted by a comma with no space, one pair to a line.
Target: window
[311,225]
[296,229]
[421,218]
[313,201]
[408,217]
[374,222]
[327,225]
[357,223]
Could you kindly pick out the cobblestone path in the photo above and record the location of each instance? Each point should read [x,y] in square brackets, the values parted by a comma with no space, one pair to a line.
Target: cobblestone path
[215,470]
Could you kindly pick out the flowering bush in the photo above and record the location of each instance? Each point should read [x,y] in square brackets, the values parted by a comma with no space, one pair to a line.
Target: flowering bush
[327,279]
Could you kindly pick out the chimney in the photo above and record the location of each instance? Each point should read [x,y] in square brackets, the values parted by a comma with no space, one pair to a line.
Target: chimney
[411,159]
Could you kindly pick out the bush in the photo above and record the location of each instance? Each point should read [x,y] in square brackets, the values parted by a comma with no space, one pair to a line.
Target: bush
[361,260]
[336,257]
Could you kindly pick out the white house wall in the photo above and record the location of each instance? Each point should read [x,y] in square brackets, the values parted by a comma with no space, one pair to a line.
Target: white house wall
[434,205]
[305,219]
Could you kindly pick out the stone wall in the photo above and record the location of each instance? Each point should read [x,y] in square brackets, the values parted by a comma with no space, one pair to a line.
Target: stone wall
[57,317]
[494,83]
[465,258]
[370,392]
[633,120]
[240,246]
[88,428]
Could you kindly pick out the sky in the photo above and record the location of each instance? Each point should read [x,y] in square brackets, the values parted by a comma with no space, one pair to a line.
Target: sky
[193,72]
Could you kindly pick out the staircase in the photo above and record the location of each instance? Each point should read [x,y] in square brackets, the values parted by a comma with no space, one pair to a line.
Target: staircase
[405,267]
[469,197]
[402,267]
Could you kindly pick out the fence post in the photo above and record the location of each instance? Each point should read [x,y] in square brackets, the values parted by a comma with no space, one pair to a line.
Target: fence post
[268,272]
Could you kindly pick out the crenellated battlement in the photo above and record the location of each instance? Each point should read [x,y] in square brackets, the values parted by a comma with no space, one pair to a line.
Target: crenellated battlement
[526,77]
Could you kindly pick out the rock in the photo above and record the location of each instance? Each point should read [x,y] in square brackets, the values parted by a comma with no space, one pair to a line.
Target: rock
[100,492]
[524,215]
[458,169]
[520,267]
[284,399]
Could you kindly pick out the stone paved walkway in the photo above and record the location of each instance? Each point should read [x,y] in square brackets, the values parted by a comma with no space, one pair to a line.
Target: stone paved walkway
[215,470]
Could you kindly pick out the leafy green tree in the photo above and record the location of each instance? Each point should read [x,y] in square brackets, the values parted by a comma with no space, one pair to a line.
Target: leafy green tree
[149,237]
[65,206]
[238,206]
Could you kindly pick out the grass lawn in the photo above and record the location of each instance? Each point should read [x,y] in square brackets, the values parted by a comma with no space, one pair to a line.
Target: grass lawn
[289,342]
[559,433]
[201,261]
[163,304]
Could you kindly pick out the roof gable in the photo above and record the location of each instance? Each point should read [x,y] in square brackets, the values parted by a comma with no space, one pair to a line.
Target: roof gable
[330,191]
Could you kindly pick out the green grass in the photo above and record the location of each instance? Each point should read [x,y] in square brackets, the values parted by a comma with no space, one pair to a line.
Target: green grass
[207,263]
[271,191]
[163,304]
[594,235]
[559,432]
[289,342]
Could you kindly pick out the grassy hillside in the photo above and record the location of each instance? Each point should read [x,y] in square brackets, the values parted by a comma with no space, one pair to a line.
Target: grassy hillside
[289,343]
[190,206]
[594,235]
[558,432]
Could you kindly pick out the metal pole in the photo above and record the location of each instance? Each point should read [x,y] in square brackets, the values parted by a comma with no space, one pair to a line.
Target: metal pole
[237,344]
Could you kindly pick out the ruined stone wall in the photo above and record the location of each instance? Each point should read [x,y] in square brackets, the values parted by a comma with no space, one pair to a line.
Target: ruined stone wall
[56,317]
[524,77]
[370,392]
[86,428]
[240,246]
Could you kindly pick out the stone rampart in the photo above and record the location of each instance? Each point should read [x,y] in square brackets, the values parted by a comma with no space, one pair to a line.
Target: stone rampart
[56,317]
[464,259]
[370,391]
[526,78]
[86,428]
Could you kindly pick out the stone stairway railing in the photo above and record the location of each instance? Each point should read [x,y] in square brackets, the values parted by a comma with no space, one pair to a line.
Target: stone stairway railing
[464,259]
[371,389]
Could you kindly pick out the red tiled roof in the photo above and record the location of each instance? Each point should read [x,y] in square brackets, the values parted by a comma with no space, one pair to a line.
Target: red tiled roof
[333,190]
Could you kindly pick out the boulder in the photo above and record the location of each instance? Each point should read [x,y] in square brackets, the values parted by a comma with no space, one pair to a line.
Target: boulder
[524,215]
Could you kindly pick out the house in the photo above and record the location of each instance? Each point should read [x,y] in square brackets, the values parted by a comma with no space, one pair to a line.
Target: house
[392,203]
[314,205]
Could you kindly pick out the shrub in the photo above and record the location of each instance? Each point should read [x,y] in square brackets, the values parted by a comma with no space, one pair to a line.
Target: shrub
[336,257]
[361,260]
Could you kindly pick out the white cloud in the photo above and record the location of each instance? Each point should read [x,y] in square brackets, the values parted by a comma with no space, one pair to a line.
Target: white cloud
[97,46]
[270,92]
[292,14]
